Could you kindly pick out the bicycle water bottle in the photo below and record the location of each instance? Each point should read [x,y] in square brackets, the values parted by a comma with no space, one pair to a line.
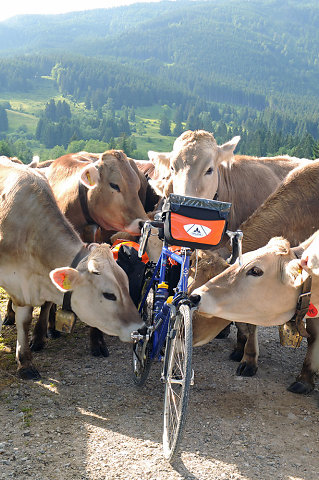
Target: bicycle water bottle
[160,297]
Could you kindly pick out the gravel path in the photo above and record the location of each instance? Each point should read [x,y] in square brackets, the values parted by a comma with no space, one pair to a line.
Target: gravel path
[86,420]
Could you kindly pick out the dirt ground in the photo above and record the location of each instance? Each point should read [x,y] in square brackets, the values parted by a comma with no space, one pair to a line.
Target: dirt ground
[86,420]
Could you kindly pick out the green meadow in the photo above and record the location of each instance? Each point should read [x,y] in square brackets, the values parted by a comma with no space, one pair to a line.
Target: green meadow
[26,109]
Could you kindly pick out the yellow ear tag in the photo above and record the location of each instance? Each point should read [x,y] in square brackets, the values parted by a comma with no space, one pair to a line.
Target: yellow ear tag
[66,284]
[88,176]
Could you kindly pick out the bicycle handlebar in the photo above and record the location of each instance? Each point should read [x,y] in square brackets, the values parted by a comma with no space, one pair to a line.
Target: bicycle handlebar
[146,231]
[154,223]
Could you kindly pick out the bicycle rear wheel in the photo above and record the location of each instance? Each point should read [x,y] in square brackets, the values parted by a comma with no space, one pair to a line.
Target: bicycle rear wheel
[178,378]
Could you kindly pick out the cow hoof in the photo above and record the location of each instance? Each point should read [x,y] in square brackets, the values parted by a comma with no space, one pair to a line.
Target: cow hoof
[8,320]
[246,370]
[30,373]
[100,351]
[236,356]
[224,333]
[300,387]
[52,333]
[36,346]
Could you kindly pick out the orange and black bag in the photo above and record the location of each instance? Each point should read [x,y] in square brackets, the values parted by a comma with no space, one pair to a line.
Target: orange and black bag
[194,222]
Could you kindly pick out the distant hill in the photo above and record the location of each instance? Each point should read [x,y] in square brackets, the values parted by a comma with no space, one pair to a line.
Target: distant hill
[241,52]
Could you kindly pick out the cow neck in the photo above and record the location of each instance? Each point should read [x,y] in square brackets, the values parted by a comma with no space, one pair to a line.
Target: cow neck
[303,301]
[66,305]
[84,204]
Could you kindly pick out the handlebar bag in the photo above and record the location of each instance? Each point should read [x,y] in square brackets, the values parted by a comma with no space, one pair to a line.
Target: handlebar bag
[194,222]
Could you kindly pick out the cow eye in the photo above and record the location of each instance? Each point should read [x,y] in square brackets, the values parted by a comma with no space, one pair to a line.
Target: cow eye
[209,171]
[109,296]
[115,187]
[255,272]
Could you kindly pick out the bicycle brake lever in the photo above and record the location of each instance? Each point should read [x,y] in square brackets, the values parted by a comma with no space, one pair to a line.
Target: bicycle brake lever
[146,230]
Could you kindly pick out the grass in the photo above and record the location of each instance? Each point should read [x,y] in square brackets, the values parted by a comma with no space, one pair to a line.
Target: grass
[147,134]
[26,108]
[33,101]
[27,414]
[19,120]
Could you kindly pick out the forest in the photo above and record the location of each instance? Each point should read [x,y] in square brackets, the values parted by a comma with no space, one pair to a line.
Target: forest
[245,68]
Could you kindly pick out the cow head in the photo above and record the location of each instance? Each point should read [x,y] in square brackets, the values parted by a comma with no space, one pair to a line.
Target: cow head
[262,291]
[194,163]
[113,187]
[160,179]
[310,256]
[100,293]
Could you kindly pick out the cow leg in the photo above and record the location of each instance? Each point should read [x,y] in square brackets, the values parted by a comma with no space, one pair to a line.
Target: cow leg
[249,363]
[242,334]
[305,381]
[40,330]
[23,352]
[52,332]
[97,343]
[224,333]
[9,319]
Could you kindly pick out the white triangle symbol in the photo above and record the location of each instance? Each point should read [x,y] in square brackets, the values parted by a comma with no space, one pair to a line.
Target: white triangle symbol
[197,231]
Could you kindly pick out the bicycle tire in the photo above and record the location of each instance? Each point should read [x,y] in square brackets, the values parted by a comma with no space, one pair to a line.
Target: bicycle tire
[178,378]
[141,360]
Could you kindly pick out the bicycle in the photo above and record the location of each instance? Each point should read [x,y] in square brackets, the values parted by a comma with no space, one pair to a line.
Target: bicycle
[166,307]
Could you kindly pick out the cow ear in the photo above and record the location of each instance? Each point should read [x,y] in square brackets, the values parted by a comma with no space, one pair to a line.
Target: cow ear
[65,279]
[159,158]
[89,176]
[294,274]
[226,150]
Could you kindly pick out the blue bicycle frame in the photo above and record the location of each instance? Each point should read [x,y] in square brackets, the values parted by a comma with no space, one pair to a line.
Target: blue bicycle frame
[161,320]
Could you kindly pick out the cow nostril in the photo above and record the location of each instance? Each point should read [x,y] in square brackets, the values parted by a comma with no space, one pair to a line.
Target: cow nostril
[195,299]
[143,330]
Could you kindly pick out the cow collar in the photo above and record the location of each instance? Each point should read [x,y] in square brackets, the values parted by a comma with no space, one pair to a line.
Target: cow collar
[84,204]
[303,302]
[216,194]
[66,305]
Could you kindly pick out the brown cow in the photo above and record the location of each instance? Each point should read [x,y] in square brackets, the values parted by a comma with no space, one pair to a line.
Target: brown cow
[37,247]
[199,167]
[271,274]
[291,211]
[110,186]
[102,190]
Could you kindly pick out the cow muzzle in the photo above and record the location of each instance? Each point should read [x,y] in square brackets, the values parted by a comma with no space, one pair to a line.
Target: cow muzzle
[195,299]
[135,227]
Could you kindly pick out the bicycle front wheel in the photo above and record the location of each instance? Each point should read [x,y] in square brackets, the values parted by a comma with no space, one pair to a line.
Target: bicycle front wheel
[178,378]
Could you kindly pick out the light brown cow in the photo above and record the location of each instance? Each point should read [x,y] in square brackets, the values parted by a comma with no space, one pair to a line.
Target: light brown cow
[37,247]
[201,168]
[264,290]
[98,190]
[292,211]
[310,257]
[114,163]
